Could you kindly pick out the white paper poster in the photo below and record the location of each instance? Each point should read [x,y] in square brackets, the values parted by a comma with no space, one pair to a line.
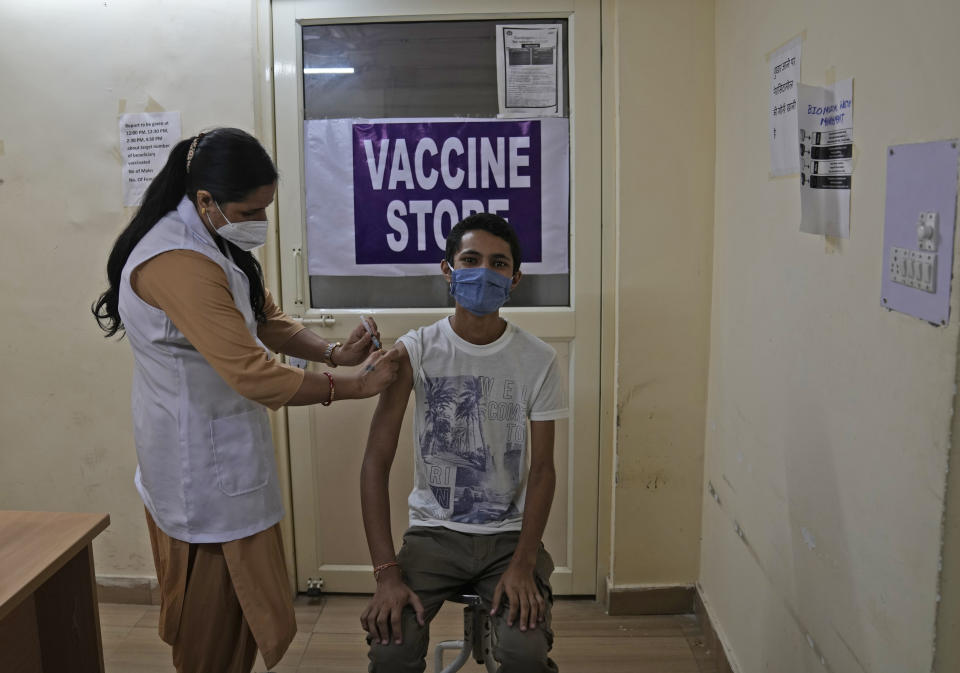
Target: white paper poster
[529,70]
[382,195]
[784,66]
[145,140]
[826,155]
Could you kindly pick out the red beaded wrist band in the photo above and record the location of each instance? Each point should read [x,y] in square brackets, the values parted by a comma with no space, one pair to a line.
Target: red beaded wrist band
[333,389]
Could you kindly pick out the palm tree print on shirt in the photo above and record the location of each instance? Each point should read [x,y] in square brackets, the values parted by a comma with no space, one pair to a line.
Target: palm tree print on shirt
[440,395]
[471,480]
[470,410]
[457,436]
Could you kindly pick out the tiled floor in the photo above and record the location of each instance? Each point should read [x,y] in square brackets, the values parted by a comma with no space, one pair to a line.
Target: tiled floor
[330,640]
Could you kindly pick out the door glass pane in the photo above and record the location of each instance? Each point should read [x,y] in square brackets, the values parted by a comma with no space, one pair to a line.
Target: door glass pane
[438,69]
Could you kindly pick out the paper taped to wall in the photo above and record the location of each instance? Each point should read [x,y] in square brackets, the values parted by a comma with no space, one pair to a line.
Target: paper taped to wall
[145,140]
[784,66]
[826,157]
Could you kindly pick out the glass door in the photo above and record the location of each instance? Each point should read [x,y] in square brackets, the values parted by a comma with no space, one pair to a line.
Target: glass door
[389,129]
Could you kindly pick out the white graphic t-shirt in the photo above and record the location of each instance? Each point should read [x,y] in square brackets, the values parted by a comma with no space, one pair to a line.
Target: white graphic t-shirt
[470,424]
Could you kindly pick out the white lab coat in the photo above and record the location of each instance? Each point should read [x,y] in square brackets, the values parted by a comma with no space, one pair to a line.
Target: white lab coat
[206,467]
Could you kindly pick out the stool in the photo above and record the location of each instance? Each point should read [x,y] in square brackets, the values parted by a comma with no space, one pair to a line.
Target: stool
[477,637]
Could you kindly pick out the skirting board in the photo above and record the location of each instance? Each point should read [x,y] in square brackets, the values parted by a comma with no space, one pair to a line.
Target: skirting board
[712,641]
[663,600]
[119,589]
[670,600]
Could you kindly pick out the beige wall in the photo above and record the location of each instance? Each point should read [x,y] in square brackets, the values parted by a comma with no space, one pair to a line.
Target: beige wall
[664,97]
[947,651]
[829,418]
[68,69]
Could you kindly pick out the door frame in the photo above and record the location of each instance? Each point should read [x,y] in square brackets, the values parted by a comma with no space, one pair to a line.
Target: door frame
[600,392]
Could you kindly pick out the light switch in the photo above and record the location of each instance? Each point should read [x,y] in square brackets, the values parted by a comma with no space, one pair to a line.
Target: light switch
[927,231]
[914,269]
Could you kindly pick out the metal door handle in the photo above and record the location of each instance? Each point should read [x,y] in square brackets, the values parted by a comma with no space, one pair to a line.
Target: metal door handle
[298,266]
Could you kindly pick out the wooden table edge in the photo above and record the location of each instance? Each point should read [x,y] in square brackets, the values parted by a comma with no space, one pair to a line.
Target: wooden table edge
[61,559]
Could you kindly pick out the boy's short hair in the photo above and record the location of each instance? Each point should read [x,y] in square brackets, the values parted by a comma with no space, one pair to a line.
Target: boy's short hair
[490,223]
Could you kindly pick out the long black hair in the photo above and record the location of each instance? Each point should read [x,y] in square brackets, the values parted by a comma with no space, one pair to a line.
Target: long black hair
[228,163]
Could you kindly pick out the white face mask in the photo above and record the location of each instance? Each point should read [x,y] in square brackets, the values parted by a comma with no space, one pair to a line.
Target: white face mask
[246,235]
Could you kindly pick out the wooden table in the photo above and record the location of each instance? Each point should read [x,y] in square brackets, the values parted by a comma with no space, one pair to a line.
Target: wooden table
[48,594]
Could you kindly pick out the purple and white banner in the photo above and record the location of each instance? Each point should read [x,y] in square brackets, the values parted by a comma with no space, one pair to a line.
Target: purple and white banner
[382,195]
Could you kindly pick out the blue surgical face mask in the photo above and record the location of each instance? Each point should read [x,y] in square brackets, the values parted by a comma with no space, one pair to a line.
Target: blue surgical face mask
[480,291]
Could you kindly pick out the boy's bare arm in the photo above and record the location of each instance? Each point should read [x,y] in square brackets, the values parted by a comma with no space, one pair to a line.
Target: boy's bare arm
[382,615]
[518,583]
[378,459]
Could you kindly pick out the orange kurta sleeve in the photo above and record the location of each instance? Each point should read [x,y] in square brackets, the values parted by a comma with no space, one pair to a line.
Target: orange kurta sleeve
[279,328]
[193,291]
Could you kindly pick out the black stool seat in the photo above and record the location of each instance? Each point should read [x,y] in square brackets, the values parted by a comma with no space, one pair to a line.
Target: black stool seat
[465,596]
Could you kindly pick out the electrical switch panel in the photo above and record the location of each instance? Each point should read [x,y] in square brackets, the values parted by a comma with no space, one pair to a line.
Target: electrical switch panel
[914,269]
[918,229]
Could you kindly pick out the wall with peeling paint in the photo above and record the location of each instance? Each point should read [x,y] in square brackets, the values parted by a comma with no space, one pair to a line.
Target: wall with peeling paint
[68,69]
[665,162]
[829,418]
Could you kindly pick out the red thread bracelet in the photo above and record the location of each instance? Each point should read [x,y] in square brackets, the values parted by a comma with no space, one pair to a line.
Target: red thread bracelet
[383,566]
[333,389]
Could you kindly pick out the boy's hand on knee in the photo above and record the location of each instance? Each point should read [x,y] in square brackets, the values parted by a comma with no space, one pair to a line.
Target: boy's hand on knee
[382,615]
[523,597]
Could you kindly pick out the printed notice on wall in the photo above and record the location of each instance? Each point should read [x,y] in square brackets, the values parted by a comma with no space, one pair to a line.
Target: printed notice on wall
[529,70]
[784,66]
[145,141]
[826,156]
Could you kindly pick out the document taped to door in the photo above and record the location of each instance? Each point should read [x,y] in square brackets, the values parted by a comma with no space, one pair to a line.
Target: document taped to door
[382,195]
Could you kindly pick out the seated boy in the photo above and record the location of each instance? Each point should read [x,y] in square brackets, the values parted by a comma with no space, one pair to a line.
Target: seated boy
[476,513]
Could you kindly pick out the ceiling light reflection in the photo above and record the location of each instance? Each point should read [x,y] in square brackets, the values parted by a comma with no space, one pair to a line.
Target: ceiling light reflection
[328,71]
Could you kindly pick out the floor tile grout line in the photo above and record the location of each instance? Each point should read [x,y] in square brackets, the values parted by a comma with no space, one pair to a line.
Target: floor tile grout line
[304,650]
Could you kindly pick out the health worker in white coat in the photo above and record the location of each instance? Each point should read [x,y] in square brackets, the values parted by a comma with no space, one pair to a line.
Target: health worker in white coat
[190,297]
